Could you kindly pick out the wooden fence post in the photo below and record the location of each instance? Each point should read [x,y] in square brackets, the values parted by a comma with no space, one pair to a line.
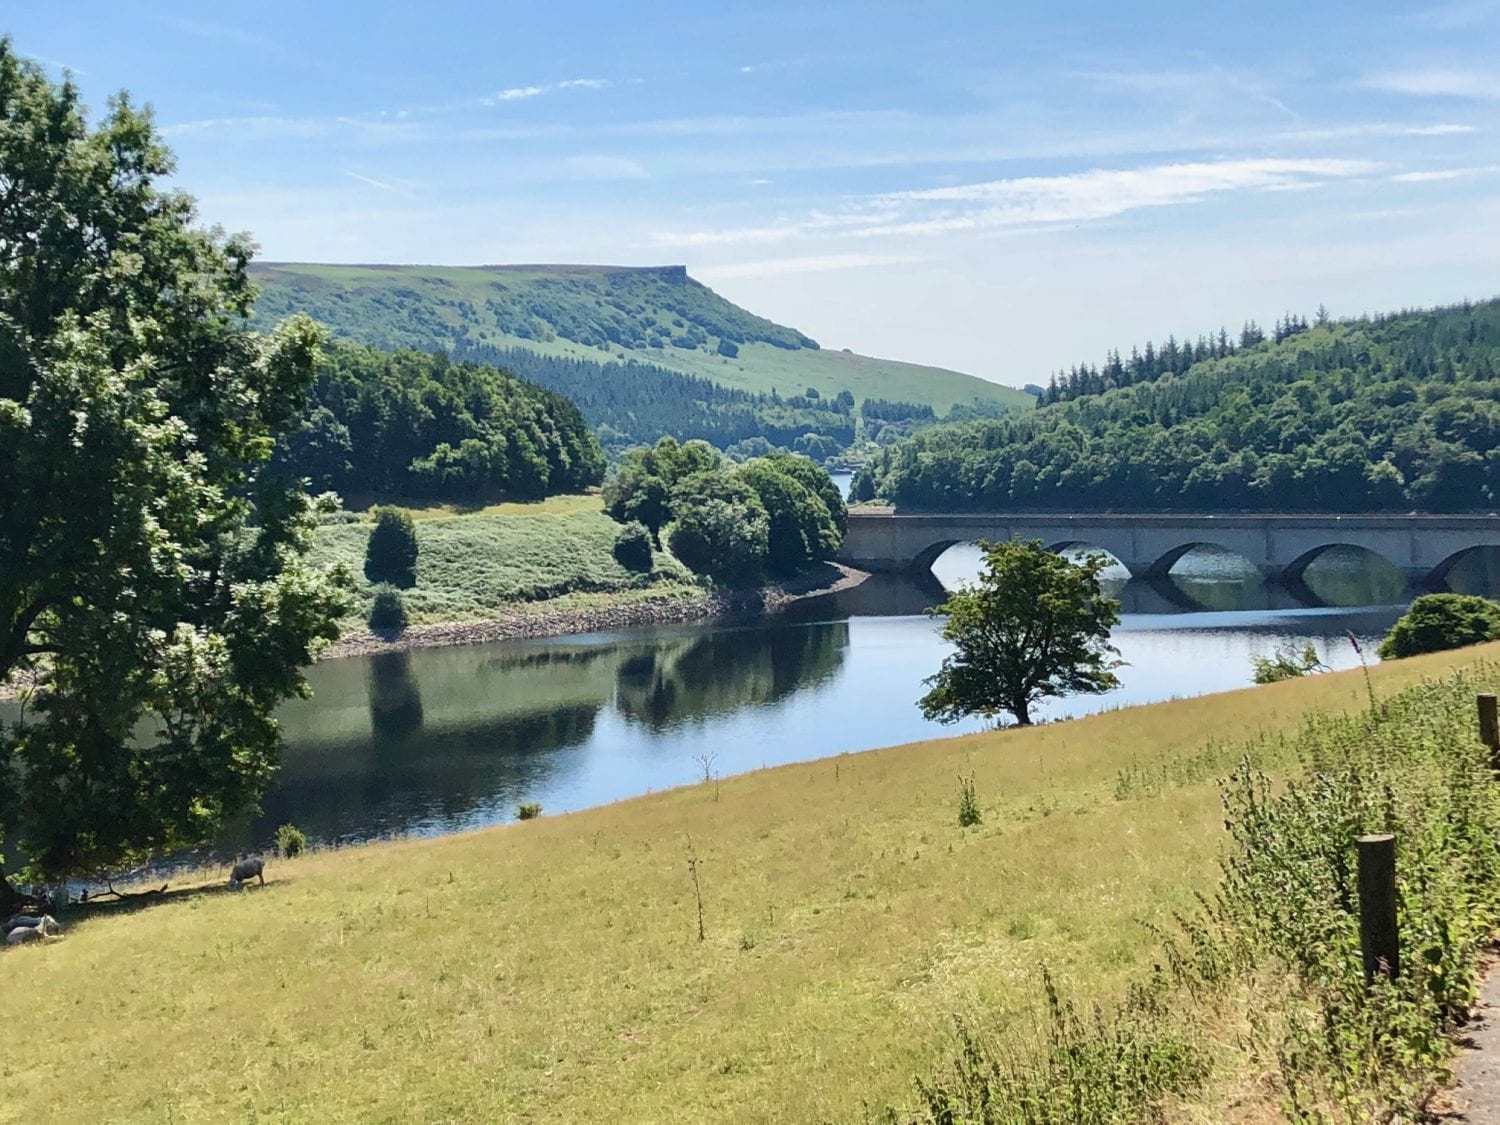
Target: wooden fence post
[1489,728]
[1378,940]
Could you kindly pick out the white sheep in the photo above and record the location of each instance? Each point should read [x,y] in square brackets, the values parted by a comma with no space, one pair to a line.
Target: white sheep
[23,934]
[44,922]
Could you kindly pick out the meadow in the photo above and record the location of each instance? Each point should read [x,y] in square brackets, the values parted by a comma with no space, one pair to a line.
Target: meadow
[554,969]
[478,564]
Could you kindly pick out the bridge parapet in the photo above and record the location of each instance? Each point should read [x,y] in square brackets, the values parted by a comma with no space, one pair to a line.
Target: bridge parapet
[1424,547]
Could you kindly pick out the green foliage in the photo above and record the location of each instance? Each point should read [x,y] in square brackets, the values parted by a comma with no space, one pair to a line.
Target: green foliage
[801,530]
[391,554]
[529,811]
[387,611]
[632,548]
[291,841]
[641,488]
[968,802]
[720,527]
[143,556]
[1286,663]
[420,426]
[1035,625]
[1391,414]
[1437,622]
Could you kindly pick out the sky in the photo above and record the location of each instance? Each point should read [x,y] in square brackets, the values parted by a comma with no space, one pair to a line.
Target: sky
[1001,188]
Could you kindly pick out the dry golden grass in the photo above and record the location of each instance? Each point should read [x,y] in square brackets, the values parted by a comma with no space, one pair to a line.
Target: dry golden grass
[551,970]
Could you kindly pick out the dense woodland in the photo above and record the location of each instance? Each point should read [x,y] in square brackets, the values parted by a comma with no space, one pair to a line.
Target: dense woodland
[1395,413]
[412,425]
[636,403]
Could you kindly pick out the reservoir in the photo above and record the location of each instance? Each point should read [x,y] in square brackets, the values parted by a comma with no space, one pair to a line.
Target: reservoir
[441,740]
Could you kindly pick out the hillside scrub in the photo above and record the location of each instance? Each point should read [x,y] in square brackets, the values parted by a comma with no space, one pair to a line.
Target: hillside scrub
[1388,414]
[556,964]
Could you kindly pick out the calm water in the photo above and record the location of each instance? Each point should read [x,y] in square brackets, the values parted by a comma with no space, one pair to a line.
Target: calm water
[444,739]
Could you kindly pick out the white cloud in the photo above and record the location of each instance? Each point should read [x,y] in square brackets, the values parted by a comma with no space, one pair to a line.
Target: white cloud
[517,93]
[1031,201]
[1438,82]
[596,167]
[525,93]
[1441,174]
[1377,129]
[400,187]
[584,84]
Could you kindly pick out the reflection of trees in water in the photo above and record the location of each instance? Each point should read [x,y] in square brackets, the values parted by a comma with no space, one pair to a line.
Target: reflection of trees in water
[463,774]
[1476,572]
[725,670]
[395,698]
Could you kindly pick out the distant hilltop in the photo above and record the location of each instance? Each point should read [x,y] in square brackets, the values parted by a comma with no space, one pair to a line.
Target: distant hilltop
[639,316]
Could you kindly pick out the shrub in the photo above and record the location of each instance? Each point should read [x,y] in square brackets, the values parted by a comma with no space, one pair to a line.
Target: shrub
[721,527]
[529,811]
[1286,663]
[291,841]
[728,349]
[1436,622]
[391,554]
[632,548]
[387,611]
[968,802]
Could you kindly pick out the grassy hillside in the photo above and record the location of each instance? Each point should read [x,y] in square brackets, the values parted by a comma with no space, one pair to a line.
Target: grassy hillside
[552,970]
[480,564]
[658,316]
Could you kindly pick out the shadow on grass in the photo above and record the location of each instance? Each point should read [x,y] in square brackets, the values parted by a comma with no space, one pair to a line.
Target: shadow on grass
[137,901]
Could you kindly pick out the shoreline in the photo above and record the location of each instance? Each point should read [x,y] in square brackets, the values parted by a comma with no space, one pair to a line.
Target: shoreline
[532,621]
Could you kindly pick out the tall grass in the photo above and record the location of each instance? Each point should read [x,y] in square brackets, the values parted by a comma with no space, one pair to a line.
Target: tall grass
[1280,939]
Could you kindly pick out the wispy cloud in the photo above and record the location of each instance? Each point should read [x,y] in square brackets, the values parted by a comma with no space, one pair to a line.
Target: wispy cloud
[823,263]
[1376,129]
[1032,201]
[399,187]
[1439,175]
[1195,82]
[1438,82]
[597,167]
[524,93]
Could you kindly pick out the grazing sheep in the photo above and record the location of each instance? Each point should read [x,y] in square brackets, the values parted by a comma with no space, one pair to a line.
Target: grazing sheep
[247,869]
[44,922]
[23,934]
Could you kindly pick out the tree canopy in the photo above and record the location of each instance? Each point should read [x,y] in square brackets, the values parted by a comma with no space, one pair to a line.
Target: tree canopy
[1437,622]
[152,587]
[1387,414]
[1034,626]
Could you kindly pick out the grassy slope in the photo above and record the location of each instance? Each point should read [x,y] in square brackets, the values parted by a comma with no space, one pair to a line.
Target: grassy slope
[361,302]
[476,565]
[551,970]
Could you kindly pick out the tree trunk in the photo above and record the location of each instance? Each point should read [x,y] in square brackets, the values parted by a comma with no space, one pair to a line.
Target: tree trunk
[10,898]
[1022,712]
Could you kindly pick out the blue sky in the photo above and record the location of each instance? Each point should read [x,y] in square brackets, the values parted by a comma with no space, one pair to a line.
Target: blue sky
[1001,188]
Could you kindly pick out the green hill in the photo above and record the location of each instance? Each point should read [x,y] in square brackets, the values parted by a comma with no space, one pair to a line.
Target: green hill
[1389,413]
[648,319]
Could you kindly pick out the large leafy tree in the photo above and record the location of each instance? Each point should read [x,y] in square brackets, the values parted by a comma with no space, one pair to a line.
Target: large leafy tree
[1035,625]
[153,600]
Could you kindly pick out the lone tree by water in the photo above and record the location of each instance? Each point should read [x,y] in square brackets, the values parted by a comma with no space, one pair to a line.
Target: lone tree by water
[154,600]
[391,553]
[1035,625]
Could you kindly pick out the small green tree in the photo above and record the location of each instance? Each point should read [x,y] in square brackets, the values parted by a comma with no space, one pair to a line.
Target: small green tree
[1286,663]
[1034,626]
[632,548]
[1436,622]
[391,554]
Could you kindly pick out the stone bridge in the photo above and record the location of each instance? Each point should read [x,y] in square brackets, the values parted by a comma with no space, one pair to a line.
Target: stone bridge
[1424,547]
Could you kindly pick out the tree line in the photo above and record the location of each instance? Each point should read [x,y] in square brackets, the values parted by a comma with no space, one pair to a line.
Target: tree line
[1389,413]
[422,426]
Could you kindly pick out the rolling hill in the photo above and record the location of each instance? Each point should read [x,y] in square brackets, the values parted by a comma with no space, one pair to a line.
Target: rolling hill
[642,317]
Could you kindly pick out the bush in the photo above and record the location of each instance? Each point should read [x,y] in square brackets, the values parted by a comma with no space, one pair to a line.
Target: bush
[387,611]
[728,349]
[1436,622]
[632,548]
[391,554]
[721,527]
[529,811]
[291,841]
[968,802]
[1286,663]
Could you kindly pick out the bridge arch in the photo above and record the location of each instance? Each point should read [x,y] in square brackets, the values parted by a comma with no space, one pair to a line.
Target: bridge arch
[1161,566]
[1484,554]
[1299,565]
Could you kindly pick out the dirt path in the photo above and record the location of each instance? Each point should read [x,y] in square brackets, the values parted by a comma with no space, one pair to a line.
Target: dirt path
[1475,1096]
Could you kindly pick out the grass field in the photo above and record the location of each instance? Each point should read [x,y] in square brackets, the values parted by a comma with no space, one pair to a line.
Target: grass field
[430,307]
[474,565]
[552,970]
